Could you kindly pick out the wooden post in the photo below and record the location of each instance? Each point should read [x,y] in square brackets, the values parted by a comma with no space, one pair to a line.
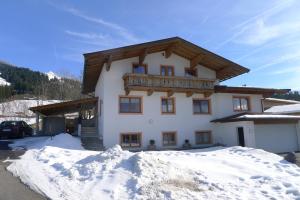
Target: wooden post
[37,123]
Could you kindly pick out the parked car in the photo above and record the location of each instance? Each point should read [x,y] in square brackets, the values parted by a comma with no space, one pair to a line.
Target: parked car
[15,129]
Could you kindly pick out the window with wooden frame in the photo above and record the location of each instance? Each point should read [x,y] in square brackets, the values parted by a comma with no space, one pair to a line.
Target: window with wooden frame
[241,103]
[139,69]
[169,139]
[168,105]
[188,72]
[130,140]
[203,137]
[201,106]
[166,70]
[130,104]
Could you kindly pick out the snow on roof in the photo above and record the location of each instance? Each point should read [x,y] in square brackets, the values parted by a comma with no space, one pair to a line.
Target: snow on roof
[284,109]
[282,100]
[268,116]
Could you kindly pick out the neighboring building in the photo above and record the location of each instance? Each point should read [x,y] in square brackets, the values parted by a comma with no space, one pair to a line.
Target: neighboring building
[168,92]
[293,109]
[270,102]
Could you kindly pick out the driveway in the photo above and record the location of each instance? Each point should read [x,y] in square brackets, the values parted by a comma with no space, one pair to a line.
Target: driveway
[10,187]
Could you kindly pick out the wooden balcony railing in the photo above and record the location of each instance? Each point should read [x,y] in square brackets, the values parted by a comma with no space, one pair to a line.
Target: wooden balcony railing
[146,82]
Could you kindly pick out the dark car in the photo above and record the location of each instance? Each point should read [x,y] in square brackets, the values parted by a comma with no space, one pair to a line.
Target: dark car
[14,129]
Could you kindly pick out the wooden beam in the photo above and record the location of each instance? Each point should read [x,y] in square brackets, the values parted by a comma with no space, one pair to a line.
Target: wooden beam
[108,62]
[195,61]
[170,93]
[142,56]
[150,92]
[170,49]
[224,71]
[207,94]
[189,94]
[127,91]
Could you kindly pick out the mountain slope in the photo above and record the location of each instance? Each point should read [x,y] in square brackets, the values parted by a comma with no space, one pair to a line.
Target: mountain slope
[19,81]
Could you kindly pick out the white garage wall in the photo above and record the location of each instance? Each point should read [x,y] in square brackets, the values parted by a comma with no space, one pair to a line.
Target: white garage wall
[226,133]
[277,138]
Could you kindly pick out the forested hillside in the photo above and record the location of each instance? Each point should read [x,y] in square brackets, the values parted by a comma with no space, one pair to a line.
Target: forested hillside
[19,81]
[293,95]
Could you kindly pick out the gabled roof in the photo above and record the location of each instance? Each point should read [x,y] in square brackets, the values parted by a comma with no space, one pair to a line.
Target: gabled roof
[258,117]
[93,62]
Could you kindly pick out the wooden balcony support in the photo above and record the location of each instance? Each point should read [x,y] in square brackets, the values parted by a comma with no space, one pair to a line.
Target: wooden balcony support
[142,56]
[169,84]
[194,62]
[170,50]
[108,61]
[189,94]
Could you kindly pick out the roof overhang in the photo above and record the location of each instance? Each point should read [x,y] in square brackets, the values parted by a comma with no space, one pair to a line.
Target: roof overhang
[259,118]
[94,62]
[266,92]
[65,107]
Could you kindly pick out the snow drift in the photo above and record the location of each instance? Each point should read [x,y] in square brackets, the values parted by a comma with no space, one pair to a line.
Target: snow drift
[61,169]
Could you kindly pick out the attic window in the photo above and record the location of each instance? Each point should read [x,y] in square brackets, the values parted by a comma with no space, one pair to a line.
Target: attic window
[139,69]
[188,72]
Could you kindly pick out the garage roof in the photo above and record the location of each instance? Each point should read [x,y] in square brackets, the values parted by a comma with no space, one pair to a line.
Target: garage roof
[259,118]
[65,107]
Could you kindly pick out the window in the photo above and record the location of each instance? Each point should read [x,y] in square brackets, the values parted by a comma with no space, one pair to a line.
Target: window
[130,104]
[168,105]
[203,137]
[169,138]
[241,104]
[166,70]
[201,106]
[188,72]
[139,69]
[131,140]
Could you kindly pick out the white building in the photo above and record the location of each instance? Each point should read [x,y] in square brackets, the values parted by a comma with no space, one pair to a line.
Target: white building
[168,92]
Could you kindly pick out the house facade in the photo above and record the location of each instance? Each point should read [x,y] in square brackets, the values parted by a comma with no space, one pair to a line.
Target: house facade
[169,93]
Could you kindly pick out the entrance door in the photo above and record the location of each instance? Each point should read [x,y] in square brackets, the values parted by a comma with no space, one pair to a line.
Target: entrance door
[241,138]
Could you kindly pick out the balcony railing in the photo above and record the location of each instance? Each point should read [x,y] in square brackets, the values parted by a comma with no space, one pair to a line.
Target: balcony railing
[166,83]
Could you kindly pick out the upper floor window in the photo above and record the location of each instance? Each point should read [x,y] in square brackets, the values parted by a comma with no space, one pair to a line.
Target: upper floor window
[139,69]
[131,140]
[166,70]
[203,137]
[168,105]
[201,106]
[188,72]
[241,104]
[130,104]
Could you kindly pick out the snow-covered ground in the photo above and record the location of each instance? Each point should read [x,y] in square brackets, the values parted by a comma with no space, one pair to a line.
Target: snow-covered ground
[19,109]
[61,169]
[51,75]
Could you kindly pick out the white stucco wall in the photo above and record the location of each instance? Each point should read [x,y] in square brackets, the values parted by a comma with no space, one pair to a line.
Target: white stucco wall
[152,123]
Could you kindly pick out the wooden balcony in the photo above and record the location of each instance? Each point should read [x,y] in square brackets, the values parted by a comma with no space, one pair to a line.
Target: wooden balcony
[169,84]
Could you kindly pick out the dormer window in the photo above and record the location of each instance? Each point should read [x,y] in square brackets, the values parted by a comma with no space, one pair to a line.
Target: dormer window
[139,69]
[166,70]
[188,72]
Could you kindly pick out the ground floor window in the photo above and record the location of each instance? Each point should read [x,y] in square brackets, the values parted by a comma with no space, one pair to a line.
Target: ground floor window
[131,139]
[169,138]
[203,137]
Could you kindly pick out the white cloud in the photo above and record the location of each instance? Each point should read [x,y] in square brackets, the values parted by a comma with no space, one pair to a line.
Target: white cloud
[287,70]
[259,32]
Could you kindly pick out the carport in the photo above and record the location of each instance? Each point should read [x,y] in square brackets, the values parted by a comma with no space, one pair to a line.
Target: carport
[274,133]
[66,116]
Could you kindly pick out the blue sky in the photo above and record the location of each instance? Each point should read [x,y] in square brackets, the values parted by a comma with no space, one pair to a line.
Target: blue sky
[52,35]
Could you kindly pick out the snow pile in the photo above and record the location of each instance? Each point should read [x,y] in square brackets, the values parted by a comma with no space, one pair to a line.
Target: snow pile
[51,75]
[269,116]
[285,109]
[60,169]
[4,82]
